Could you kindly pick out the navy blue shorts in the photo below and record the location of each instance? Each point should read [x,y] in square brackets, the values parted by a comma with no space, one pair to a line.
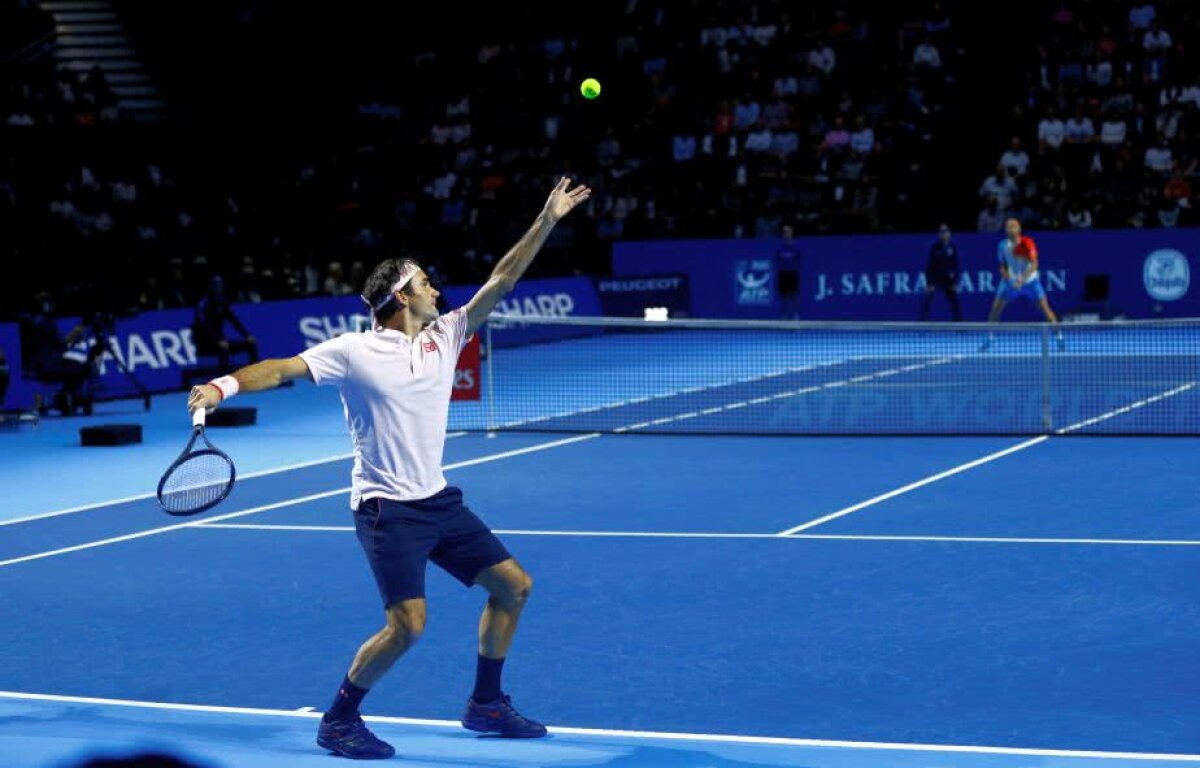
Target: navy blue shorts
[400,537]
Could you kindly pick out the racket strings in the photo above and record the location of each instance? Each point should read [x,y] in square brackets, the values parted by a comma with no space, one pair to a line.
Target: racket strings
[196,482]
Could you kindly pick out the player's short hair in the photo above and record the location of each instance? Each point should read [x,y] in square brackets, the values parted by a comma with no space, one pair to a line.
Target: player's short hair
[377,292]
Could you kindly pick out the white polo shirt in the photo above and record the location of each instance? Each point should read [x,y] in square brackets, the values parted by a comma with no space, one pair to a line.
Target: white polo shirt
[396,393]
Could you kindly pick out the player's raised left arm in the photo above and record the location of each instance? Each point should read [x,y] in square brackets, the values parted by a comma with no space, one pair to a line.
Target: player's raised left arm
[509,269]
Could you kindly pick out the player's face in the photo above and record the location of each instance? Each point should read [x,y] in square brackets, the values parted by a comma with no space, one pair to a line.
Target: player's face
[1012,228]
[422,298]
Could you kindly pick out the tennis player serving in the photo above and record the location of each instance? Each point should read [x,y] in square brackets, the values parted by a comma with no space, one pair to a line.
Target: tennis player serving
[395,382]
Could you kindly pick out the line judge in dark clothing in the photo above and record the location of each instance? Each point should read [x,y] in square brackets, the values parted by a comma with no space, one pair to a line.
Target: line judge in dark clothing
[941,273]
[43,356]
[208,330]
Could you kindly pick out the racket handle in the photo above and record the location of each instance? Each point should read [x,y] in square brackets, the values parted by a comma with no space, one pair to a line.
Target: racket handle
[198,417]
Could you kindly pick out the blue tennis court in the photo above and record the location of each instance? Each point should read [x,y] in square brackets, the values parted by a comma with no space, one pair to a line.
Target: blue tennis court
[700,600]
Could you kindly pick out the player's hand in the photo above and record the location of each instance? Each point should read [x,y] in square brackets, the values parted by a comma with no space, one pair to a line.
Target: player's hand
[561,201]
[205,396]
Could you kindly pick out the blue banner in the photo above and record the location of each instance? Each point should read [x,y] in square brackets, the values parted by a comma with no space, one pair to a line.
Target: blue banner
[1146,274]
[724,275]
[754,283]
[284,328]
[550,297]
[630,296]
[1130,273]
[156,346]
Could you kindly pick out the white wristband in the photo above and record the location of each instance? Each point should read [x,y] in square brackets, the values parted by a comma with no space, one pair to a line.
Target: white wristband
[227,386]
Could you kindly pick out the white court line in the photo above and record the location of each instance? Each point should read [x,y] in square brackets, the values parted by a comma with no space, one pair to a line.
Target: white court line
[281,527]
[1126,409]
[168,528]
[618,734]
[915,485]
[677,392]
[768,536]
[790,393]
[990,457]
[995,540]
[646,534]
[144,496]
[287,503]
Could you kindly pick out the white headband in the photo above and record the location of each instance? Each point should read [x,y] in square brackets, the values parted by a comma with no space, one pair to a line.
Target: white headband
[407,273]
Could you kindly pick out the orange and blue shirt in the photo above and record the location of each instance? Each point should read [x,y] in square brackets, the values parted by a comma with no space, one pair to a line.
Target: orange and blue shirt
[1020,258]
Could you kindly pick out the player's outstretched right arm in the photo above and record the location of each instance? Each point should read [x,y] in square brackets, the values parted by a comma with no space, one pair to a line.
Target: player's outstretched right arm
[256,377]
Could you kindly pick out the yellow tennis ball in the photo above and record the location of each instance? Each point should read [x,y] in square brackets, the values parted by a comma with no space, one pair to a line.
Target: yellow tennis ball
[590,88]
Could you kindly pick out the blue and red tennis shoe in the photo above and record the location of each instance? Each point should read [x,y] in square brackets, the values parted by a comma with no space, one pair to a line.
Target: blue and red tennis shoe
[501,718]
[351,738]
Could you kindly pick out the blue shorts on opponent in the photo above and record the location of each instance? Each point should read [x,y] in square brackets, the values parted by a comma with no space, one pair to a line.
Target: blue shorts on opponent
[1032,290]
[401,537]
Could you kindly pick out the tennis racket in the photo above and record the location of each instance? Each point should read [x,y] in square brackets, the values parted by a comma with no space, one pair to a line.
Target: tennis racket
[199,479]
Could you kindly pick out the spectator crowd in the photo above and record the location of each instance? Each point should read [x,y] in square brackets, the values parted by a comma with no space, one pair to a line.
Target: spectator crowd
[719,118]
[1106,135]
[722,119]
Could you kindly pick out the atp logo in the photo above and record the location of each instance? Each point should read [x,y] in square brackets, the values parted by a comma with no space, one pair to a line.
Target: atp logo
[753,280]
[1166,275]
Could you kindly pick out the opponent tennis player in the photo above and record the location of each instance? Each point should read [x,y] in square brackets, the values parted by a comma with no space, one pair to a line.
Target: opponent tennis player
[395,384]
[1018,256]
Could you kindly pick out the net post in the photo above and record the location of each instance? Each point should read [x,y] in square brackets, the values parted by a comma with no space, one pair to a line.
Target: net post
[491,381]
[1047,421]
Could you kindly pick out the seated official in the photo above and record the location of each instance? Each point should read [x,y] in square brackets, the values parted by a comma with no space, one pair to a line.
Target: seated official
[213,314]
[43,357]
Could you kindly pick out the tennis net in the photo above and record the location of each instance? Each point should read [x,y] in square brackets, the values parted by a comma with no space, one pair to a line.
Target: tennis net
[798,378]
